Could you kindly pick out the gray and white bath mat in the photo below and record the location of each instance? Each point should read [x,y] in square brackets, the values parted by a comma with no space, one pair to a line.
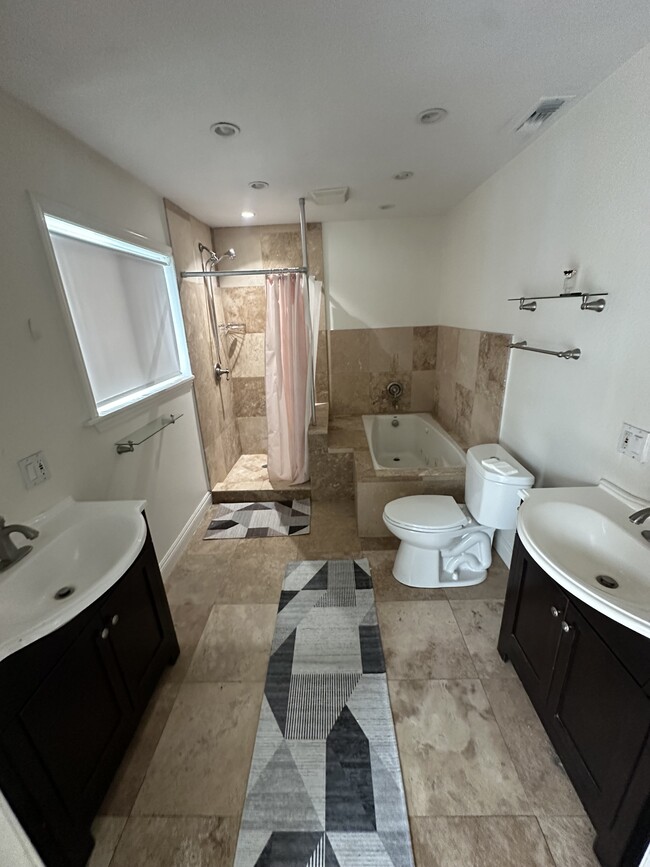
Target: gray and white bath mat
[325,787]
[259,520]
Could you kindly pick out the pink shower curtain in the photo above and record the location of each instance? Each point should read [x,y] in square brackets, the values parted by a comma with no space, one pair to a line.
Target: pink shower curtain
[287,378]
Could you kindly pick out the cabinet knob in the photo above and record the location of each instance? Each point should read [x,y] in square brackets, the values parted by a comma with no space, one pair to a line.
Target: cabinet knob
[115,619]
[104,633]
[554,611]
[566,627]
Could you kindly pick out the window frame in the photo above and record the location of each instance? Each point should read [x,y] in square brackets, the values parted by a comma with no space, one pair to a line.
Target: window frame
[124,241]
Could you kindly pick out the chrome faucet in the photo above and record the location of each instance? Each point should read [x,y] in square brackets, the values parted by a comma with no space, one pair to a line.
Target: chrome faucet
[9,553]
[640,516]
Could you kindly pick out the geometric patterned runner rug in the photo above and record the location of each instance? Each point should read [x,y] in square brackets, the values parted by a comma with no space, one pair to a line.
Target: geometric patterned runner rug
[325,787]
[259,520]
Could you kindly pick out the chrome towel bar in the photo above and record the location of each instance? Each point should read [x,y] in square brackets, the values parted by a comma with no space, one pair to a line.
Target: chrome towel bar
[568,353]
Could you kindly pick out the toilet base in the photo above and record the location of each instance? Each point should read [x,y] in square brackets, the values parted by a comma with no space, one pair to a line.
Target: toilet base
[421,567]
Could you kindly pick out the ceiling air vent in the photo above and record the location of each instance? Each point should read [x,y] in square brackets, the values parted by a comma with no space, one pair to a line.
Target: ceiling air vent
[330,196]
[544,110]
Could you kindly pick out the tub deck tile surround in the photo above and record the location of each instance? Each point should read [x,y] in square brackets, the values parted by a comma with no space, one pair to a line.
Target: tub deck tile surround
[483,783]
[374,488]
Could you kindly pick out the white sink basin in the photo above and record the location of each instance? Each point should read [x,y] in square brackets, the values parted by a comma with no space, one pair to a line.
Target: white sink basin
[83,547]
[579,534]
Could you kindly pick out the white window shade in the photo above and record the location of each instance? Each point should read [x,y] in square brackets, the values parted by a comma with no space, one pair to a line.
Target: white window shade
[122,302]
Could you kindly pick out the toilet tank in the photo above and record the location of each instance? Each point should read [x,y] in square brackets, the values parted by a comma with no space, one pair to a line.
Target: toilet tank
[493,479]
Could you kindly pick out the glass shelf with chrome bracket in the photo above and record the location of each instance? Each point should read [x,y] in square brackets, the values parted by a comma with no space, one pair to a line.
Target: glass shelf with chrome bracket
[590,300]
[144,433]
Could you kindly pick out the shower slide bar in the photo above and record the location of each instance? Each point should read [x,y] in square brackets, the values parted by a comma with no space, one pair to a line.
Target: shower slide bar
[568,353]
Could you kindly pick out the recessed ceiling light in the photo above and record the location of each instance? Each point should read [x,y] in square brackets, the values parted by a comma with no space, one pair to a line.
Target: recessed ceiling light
[386,207]
[402,176]
[225,129]
[258,185]
[432,115]
[248,215]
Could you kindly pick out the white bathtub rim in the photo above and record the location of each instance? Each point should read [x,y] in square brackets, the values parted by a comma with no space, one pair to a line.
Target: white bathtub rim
[428,418]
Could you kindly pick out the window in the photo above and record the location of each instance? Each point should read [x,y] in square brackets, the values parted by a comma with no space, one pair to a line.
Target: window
[121,300]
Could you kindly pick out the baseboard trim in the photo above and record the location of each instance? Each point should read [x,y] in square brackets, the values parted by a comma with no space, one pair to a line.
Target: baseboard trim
[178,546]
[503,545]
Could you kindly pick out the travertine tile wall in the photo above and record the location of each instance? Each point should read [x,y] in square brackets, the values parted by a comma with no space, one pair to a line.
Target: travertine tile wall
[365,360]
[244,301]
[470,379]
[458,374]
[214,401]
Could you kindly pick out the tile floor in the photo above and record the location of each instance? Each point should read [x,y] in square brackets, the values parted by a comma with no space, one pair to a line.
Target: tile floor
[484,787]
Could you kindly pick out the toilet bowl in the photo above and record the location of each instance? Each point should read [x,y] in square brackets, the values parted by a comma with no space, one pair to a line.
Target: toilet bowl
[444,544]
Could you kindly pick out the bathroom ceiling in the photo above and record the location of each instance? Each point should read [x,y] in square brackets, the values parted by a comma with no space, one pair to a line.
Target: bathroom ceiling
[326,92]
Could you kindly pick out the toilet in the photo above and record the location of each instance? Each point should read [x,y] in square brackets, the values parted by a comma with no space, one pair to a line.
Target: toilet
[444,544]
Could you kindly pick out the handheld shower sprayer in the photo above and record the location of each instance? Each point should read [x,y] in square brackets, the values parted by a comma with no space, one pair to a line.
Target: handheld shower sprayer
[213,258]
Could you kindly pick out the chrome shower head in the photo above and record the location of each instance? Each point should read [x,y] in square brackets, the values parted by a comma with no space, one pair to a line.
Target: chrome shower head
[230,254]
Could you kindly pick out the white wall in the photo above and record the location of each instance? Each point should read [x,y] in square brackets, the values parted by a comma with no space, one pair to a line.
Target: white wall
[41,399]
[578,197]
[381,273]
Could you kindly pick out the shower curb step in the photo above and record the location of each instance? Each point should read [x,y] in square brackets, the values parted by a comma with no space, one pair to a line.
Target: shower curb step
[297,492]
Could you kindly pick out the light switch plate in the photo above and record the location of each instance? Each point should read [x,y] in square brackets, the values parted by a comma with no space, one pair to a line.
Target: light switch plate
[633,442]
[34,469]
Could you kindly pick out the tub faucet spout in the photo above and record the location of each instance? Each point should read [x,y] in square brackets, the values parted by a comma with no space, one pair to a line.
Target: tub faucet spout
[10,553]
[395,391]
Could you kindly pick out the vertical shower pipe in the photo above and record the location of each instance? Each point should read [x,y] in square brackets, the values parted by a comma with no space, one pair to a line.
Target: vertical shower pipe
[305,264]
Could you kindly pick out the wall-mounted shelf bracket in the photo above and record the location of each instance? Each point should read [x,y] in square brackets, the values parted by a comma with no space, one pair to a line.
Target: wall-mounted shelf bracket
[529,302]
[144,433]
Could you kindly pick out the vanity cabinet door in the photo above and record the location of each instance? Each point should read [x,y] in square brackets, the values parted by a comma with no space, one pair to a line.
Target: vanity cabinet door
[599,718]
[141,634]
[76,724]
[530,631]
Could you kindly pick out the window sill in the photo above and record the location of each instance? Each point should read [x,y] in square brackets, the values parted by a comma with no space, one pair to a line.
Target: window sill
[112,419]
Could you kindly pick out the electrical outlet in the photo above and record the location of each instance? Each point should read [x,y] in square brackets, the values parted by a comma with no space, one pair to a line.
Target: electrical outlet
[633,442]
[34,470]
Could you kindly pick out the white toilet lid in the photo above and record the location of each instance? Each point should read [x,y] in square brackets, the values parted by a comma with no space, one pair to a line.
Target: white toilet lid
[426,512]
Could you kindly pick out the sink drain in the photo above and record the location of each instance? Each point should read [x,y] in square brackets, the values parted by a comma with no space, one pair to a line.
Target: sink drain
[606,581]
[64,592]
[396,459]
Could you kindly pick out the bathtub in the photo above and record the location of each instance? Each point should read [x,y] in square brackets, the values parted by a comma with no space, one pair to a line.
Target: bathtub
[416,442]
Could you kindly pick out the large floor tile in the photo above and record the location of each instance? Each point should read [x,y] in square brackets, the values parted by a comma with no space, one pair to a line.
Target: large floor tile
[235,645]
[177,842]
[107,831]
[126,784]
[480,841]
[255,575]
[389,589]
[201,765]
[197,578]
[189,622]
[422,640]
[480,621]
[540,771]
[494,586]
[570,841]
[454,759]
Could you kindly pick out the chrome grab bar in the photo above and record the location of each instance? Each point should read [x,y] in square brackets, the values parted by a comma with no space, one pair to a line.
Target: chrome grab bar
[568,353]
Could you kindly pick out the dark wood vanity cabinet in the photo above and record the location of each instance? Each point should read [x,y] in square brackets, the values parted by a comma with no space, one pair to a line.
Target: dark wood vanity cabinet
[589,680]
[71,702]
